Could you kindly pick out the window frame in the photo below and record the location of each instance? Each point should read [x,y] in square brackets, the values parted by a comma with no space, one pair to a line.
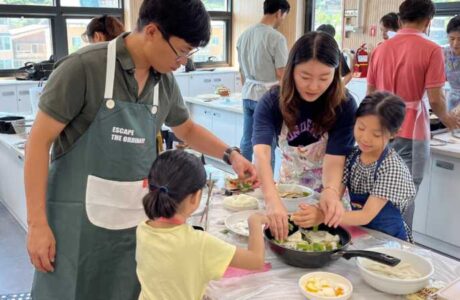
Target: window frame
[57,15]
[447,8]
[226,17]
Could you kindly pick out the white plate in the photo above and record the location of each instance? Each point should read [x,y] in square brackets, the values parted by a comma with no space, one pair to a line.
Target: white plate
[208,97]
[251,204]
[238,222]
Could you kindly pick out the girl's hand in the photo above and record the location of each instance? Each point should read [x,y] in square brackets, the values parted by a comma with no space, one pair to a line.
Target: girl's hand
[332,207]
[278,220]
[308,216]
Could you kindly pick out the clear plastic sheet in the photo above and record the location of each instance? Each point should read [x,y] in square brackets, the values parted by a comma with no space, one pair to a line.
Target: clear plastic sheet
[281,282]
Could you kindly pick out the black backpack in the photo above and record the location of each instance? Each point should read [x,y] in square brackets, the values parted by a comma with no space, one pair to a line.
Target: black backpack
[36,71]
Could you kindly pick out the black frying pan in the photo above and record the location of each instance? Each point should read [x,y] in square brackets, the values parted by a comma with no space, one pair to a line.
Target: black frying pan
[305,259]
[6,124]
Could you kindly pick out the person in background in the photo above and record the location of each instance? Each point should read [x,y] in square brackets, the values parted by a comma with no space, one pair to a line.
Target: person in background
[175,261]
[345,70]
[452,61]
[103,29]
[377,179]
[100,110]
[408,65]
[311,114]
[389,25]
[262,56]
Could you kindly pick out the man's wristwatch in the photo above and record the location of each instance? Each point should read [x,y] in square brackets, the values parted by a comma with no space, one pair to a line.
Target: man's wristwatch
[227,153]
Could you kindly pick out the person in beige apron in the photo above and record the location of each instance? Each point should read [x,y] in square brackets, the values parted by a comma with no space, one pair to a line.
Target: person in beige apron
[262,56]
[83,208]
[312,116]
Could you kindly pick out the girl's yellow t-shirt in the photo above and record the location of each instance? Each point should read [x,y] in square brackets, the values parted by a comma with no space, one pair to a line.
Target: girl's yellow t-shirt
[178,262]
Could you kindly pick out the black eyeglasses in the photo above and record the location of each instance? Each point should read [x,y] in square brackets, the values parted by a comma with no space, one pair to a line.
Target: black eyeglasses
[178,56]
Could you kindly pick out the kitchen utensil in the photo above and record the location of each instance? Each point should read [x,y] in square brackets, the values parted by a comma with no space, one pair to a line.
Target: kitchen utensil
[305,259]
[330,277]
[397,286]
[292,204]
[13,125]
[208,200]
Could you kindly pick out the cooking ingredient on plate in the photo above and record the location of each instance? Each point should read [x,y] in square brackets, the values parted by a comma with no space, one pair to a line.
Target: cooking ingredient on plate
[238,184]
[241,227]
[293,195]
[241,201]
[324,287]
[401,271]
[311,241]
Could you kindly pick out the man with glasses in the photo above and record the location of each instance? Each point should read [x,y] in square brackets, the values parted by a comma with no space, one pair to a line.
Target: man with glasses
[262,55]
[101,110]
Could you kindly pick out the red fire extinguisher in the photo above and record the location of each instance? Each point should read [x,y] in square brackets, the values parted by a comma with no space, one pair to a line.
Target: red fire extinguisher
[362,60]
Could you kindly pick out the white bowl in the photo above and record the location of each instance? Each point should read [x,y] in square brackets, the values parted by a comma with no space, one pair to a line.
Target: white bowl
[292,204]
[332,277]
[394,285]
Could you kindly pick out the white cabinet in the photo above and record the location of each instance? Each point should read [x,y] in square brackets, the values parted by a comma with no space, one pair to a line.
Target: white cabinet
[8,99]
[223,124]
[443,220]
[23,97]
[15,97]
[183,83]
[12,192]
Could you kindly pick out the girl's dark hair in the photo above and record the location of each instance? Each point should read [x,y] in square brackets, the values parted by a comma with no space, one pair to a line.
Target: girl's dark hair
[388,107]
[390,21]
[272,6]
[110,26]
[322,47]
[174,175]
[454,24]
[185,19]
[416,10]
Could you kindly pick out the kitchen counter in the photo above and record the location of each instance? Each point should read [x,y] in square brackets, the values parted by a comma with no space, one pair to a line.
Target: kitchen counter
[281,281]
[206,71]
[451,149]
[231,104]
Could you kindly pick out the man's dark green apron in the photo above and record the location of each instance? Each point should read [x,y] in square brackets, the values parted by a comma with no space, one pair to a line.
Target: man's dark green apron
[94,201]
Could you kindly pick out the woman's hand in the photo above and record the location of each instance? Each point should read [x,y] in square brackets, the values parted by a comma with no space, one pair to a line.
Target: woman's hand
[41,246]
[278,220]
[332,207]
[308,216]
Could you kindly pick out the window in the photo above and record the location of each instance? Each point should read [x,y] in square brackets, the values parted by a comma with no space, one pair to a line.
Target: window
[216,5]
[6,64]
[329,12]
[5,42]
[24,39]
[445,10]
[75,27]
[218,51]
[33,30]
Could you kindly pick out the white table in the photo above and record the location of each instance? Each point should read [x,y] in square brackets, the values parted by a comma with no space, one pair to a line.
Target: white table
[281,281]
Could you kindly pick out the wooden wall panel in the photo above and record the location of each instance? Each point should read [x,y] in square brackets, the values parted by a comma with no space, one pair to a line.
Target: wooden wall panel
[374,10]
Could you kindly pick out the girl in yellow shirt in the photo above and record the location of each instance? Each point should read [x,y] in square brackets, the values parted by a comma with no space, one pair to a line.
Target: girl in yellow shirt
[174,261]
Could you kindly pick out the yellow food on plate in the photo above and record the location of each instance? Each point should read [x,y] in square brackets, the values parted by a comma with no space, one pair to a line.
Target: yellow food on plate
[324,287]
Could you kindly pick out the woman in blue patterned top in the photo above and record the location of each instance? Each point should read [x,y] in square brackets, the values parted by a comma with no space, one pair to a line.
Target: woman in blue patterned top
[377,179]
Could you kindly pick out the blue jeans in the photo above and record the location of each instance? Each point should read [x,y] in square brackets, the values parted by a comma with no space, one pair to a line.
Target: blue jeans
[249,107]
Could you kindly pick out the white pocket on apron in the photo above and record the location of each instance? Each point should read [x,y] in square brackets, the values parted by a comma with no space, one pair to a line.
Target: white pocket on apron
[115,204]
